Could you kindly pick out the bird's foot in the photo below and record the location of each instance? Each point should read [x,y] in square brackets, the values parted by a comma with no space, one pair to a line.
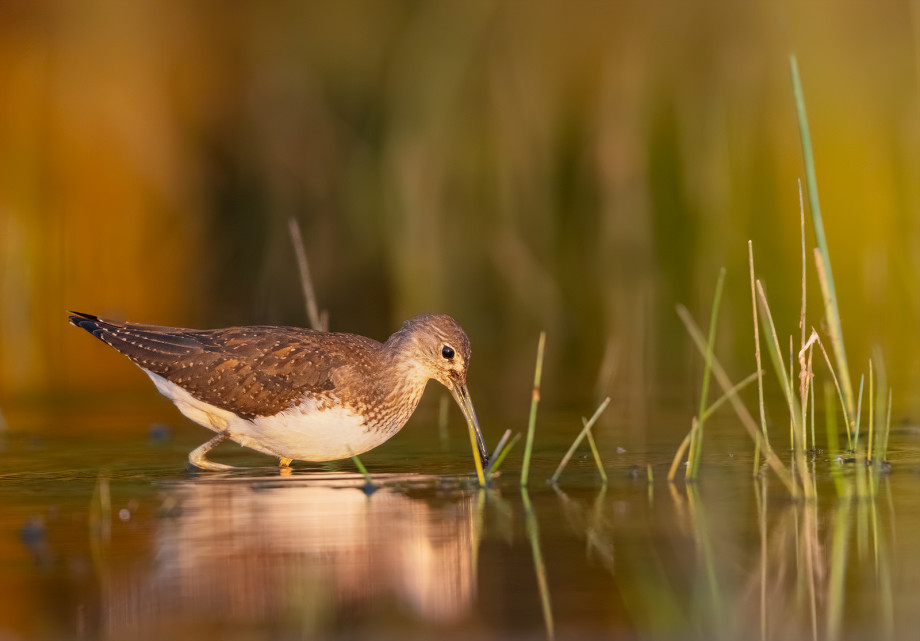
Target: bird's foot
[202,463]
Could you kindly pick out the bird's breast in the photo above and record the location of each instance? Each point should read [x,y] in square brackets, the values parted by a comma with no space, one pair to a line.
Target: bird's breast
[313,431]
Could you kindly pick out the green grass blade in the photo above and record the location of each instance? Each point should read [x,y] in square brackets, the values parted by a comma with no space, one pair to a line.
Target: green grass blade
[846,416]
[763,414]
[794,409]
[363,470]
[881,392]
[500,456]
[696,444]
[534,401]
[681,449]
[825,273]
[862,379]
[597,456]
[871,411]
[792,430]
[747,421]
[587,426]
[883,442]
[833,440]
[804,268]
[830,417]
[814,443]
[498,448]
[776,356]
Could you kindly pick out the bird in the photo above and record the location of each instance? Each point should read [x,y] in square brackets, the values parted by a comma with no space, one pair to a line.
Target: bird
[296,393]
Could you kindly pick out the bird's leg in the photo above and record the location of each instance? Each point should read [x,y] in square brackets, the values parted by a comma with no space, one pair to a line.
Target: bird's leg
[284,462]
[197,458]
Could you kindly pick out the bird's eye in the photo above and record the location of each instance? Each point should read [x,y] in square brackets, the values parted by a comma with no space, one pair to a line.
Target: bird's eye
[447,352]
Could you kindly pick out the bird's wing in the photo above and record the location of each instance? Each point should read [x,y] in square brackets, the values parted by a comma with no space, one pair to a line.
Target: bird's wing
[251,371]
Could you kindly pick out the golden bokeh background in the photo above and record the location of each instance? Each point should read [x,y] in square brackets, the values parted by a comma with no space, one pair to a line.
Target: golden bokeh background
[578,167]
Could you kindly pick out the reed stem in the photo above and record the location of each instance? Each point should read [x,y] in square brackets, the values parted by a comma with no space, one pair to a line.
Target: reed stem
[317,321]
[534,401]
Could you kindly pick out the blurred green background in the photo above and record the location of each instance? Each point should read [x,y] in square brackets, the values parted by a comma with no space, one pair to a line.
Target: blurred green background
[578,167]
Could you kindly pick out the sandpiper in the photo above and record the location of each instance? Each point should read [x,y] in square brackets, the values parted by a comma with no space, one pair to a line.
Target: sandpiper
[294,393]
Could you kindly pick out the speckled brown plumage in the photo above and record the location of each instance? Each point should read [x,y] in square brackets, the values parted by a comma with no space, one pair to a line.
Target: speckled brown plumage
[250,371]
[262,372]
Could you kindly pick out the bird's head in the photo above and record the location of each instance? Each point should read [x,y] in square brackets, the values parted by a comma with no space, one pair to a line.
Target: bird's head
[438,348]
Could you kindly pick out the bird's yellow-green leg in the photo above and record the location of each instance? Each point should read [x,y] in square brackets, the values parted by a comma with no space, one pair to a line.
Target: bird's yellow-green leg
[198,459]
[197,456]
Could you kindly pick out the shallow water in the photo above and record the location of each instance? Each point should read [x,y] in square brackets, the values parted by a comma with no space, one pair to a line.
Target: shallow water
[109,537]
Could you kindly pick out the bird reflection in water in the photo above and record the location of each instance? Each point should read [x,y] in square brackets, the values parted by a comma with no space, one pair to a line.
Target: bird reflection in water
[260,553]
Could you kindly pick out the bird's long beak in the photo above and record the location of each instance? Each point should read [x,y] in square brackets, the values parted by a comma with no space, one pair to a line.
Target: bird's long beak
[462,395]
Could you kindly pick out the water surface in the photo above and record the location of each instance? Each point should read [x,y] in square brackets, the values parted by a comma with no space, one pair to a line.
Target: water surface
[108,537]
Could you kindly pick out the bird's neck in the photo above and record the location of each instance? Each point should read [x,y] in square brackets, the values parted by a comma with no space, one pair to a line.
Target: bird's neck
[407,375]
[401,388]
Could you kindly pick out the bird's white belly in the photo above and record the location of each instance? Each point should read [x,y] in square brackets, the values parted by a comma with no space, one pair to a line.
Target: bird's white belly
[302,433]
